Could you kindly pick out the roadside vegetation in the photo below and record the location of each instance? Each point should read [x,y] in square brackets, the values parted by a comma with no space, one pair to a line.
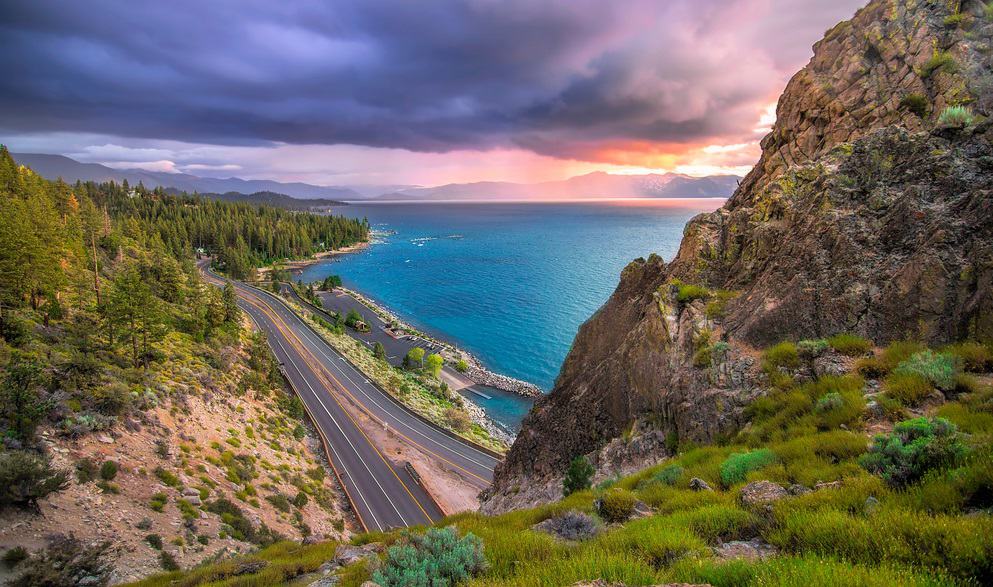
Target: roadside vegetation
[417,386]
[871,489]
[106,330]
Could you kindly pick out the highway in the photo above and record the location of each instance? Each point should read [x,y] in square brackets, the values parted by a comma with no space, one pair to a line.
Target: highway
[383,493]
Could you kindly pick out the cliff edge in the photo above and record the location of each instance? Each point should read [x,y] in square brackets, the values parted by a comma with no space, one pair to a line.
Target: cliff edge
[869,212]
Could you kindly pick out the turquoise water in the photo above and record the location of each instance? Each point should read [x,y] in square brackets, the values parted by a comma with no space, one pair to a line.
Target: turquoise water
[510,282]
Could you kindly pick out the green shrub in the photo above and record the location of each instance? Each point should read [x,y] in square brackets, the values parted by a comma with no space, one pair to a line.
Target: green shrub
[702,358]
[158,501]
[915,103]
[776,359]
[907,388]
[812,348]
[687,293]
[954,20]
[86,470]
[654,540]
[65,561]
[14,555]
[167,477]
[280,502]
[850,345]
[436,558]
[783,355]
[154,540]
[26,477]
[899,351]
[938,368]
[717,305]
[168,561]
[670,475]
[187,509]
[973,356]
[956,116]
[738,465]
[801,571]
[616,505]
[938,61]
[108,470]
[717,523]
[839,400]
[912,449]
[461,366]
[958,545]
[578,476]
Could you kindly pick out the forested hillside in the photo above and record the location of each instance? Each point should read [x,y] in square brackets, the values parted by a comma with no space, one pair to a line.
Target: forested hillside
[113,354]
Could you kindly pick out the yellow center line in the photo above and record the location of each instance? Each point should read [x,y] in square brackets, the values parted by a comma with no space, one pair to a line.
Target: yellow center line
[485,482]
[296,343]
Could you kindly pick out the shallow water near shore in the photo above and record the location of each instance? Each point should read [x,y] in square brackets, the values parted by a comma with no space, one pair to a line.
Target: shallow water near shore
[509,282]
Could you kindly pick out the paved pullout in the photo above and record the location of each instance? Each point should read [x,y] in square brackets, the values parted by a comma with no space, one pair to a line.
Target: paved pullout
[384,493]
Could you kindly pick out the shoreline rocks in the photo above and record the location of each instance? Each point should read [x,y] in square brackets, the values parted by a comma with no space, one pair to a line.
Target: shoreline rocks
[486,377]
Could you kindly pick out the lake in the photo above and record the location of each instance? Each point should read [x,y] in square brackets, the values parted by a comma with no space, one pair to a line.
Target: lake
[509,282]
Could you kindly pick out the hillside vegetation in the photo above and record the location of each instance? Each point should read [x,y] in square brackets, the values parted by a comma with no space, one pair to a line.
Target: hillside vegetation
[135,407]
[880,473]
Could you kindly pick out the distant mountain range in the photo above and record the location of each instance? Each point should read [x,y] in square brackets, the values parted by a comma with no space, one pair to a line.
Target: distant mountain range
[56,166]
[591,185]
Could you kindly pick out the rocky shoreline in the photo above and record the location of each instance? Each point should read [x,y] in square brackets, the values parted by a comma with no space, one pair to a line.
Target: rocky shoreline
[476,371]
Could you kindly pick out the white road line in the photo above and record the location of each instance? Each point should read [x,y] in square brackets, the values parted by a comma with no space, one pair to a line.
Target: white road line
[322,345]
[349,441]
[320,348]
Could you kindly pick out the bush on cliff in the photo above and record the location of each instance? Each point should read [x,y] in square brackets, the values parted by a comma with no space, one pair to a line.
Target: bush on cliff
[912,449]
[579,476]
[738,465]
[907,388]
[616,505]
[938,368]
[436,558]
[850,344]
[26,477]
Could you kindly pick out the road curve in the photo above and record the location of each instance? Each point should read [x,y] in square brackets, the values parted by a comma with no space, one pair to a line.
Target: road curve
[383,493]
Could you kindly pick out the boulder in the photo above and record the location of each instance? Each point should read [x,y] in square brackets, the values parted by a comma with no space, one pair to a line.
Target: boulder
[698,484]
[761,493]
[347,554]
[751,550]
[313,539]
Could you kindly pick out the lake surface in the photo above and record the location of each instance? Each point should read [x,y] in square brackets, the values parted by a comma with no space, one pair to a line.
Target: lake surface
[509,282]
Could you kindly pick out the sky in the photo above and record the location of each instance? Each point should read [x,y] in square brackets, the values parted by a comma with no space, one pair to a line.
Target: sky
[427,92]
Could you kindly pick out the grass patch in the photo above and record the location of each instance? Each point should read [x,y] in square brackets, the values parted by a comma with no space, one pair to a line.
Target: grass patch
[850,345]
[738,465]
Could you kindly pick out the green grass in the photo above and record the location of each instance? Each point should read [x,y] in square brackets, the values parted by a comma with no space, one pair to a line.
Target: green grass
[850,344]
[738,465]
[929,529]
[286,561]
[938,368]
[907,388]
[940,60]
[688,293]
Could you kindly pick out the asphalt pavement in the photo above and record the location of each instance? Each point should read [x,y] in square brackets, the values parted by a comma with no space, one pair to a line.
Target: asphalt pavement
[383,492]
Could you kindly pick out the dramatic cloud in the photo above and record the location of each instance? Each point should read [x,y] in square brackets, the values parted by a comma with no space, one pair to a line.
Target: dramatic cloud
[631,83]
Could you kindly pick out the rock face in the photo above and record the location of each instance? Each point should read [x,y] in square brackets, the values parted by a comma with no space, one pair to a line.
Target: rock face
[864,215]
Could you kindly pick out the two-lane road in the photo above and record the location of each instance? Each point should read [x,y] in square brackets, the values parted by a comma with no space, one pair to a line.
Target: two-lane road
[382,492]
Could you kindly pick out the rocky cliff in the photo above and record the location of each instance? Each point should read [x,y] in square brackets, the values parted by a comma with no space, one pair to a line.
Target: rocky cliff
[869,212]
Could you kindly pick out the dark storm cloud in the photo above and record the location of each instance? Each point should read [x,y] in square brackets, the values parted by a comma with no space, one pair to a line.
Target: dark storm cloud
[558,77]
